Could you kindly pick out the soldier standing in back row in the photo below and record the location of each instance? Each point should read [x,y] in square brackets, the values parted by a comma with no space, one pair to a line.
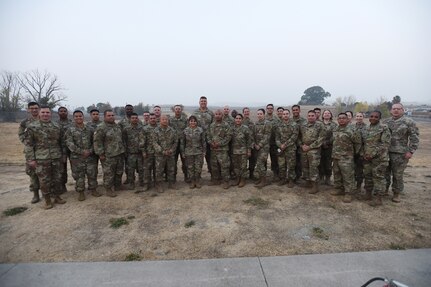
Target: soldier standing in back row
[311,140]
[360,127]
[296,116]
[108,145]
[346,142]
[179,123]
[83,161]
[33,110]
[262,133]
[205,118]
[404,143]
[376,158]
[45,152]
[273,154]
[252,159]
[64,123]
[148,153]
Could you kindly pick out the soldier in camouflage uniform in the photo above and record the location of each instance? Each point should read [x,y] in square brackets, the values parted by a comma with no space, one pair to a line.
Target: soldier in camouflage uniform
[376,159]
[219,135]
[79,140]
[325,167]
[146,118]
[262,133]
[179,123]
[361,127]
[273,154]
[193,145]
[123,123]
[404,142]
[165,140]
[157,110]
[346,142]
[205,118]
[33,110]
[45,153]
[280,111]
[131,139]
[148,153]
[227,118]
[286,137]
[296,116]
[93,123]
[108,145]
[311,140]
[64,123]
[241,149]
[252,159]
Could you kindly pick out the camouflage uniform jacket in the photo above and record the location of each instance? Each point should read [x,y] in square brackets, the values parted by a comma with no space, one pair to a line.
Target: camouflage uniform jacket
[193,142]
[287,133]
[164,139]
[205,118]
[79,139]
[65,124]
[347,140]
[220,133]
[262,133]
[23,126]
[329,130]
[132,137]
[299,121]
[108,140]
[145,140]
[274,121]
[124,122]
[179,124]
[362,129]
[44,141]
[312,134]
[405,135]
[241,140]
[93,125]
[377,141]
[229,120]
[250,124]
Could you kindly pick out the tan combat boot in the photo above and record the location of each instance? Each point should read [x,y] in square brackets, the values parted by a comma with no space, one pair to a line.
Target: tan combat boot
[258,181]
[198,183]
[396,197]
[226,184]
[314,187]
[192,183]
[377,201]
[95,193]
[48,202]
[81,196]
[262,182]
[36,197]
[59,200]
[241,182]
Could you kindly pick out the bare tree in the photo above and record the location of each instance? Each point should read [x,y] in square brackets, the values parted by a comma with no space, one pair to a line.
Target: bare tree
[43,88]
[10,92]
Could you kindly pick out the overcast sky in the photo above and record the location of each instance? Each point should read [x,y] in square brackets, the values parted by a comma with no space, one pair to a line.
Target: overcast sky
[234,52]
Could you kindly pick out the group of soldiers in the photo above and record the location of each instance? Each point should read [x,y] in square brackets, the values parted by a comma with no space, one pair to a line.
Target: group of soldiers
[305,151]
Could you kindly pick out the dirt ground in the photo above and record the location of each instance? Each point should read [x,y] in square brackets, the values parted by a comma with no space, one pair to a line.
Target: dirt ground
[209,222]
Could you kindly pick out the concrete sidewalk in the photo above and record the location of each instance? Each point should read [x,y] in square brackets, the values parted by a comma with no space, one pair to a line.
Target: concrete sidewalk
[411,267]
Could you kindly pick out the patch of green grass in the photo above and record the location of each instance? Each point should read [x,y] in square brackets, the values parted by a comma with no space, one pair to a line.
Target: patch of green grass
[118,222]
[395,246]
[14,210]
[257,201]
[189,223]
[133,257]
[320,233]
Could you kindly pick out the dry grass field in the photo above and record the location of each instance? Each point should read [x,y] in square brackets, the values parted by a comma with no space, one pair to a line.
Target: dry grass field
[206,223]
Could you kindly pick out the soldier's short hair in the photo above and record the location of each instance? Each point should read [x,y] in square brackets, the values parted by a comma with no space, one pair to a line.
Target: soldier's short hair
[107,111]
[62,108]
[33,104]
[77,111]
[317,109]
[128,105]
[239,115]
[280,108]
[94,110]
[287,110]
[269,105]
[45,107]
[263,110]
[245,108]
[378,112]
[134,114]
[203,98]
[311,112]
[152,114]
[342,114]
[349,112]
[192,118]
[296,106]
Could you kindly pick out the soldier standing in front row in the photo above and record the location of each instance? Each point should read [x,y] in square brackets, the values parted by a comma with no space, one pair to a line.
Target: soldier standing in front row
[346,142]
[376,159]
[241,150]
[164,139]
[45,152]
[179,123]
[404,143]
[108,145]
[147,149]
[33,110]
[83,161]
[64,123]
[262,133]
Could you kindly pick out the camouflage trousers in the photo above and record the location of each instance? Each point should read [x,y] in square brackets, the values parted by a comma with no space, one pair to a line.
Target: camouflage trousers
[135,163]
[252,161]
[298,167]
[113,171]
[194,165]
[359,169]
[325,166]
[273,154]
[220,164]
[49,173]
[397,165]
[149,169]
[239,165]
[84,167]
[34,180]
[64,170]
[183,163]
[310,164]
[261,159]
[374,173]
[287,163]
[165,164]
[344,175]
